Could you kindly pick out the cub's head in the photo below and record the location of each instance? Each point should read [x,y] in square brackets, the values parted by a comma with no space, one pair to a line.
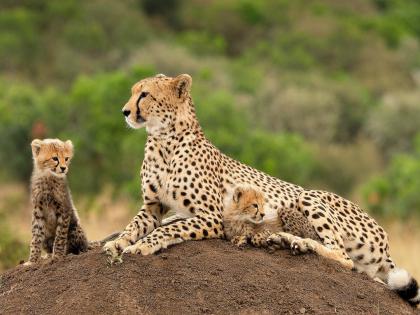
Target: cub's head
[52,155]
[247,205]
[156,102]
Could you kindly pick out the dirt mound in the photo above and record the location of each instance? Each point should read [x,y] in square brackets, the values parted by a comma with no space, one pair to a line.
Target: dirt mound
[192,278]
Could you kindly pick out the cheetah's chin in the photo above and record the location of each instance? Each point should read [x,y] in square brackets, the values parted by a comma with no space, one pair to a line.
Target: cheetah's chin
[256,222]
[135,125]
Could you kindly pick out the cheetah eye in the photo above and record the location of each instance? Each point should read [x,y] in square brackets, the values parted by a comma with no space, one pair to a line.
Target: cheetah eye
[255,206]
[55,158]
[142,95]
[66,159]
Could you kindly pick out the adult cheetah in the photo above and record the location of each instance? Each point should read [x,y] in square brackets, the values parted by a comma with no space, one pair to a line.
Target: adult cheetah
[183,171]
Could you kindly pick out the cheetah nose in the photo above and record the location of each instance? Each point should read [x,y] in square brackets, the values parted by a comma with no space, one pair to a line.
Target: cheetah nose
[126,112]
[62,168]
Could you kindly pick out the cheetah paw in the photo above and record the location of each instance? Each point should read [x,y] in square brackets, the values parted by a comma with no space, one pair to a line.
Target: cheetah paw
[142,248]
[28,263]
[301,246]
[280,239]
[240,242]
[114,248]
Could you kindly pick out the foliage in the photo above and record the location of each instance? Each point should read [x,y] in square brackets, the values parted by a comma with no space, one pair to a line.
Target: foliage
[290,87]
[396,192]
[394,124]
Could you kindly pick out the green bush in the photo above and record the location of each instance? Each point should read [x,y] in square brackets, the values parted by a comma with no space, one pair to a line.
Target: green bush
[396,193]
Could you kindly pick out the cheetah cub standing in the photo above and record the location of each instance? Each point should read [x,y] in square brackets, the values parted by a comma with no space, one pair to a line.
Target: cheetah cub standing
[55,223]
[245,220]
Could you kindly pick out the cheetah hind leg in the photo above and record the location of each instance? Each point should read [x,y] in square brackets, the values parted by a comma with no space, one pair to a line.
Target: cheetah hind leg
[77,241]
[300,245]
[304,245]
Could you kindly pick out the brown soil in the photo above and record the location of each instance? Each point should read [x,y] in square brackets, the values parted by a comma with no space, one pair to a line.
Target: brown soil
[211,277]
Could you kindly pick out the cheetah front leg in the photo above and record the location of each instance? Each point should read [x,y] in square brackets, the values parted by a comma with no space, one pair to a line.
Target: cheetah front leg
[38,235]
[61,236]
[196,228]
[147,220]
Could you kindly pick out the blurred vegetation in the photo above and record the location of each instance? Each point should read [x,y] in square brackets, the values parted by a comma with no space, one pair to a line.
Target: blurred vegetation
[324,94]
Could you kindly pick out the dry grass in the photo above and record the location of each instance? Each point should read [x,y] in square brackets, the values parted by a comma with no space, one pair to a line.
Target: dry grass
[404,241]
[107,216]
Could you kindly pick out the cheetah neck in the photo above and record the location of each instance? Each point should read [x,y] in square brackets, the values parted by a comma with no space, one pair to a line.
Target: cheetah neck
[185,128]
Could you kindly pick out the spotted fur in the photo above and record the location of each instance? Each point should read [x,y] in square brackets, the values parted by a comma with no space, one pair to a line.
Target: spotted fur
[55,222]
[243,219]
[183,171]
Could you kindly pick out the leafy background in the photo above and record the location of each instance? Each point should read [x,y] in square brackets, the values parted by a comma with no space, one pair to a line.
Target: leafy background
[322,93]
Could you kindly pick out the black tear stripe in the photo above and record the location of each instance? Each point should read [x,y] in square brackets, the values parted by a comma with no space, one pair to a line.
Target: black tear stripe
[142,95]
[138,108]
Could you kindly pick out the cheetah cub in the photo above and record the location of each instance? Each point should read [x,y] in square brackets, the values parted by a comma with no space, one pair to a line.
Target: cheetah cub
[55,222]
[245,220]
[243,216]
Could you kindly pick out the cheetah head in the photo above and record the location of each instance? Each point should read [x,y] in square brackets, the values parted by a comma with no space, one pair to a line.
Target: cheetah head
[52,156]
[247,205]
[158,102]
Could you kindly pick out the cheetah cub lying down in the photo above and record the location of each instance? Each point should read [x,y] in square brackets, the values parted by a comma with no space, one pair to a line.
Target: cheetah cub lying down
[243,217]
[245,220]
[55,223]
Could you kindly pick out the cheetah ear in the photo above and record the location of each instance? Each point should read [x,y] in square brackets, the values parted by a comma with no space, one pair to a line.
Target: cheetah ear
[160,75]
[36,146]
[237,194]
[69,144]
[182,84]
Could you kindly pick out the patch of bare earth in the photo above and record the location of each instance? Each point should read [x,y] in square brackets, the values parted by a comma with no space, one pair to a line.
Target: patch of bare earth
[210,277]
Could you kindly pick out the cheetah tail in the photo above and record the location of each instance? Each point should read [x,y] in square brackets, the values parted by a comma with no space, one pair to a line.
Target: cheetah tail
[96,244]
[400,281]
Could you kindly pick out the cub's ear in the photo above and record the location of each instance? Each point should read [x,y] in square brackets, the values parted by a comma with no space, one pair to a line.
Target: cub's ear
[237,194]
[69,144]
[182,85]
[36,146]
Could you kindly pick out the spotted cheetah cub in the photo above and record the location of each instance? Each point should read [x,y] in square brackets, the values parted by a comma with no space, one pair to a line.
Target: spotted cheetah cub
[55,223]
[243,216]
[245,219]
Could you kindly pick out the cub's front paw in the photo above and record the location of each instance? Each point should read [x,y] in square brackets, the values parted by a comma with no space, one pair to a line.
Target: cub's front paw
[142,249]
[239,241]
[301,246]
[283,240]
[115,248]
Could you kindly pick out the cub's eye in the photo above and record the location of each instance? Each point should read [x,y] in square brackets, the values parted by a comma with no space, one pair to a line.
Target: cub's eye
[255,206]
[55,158]
[66,159]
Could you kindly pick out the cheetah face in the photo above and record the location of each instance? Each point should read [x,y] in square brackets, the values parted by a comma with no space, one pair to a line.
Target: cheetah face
[248,205]
[156,102]
[52,155]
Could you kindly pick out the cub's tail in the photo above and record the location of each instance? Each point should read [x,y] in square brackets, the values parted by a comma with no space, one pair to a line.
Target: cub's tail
[96,244]
[400,281]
